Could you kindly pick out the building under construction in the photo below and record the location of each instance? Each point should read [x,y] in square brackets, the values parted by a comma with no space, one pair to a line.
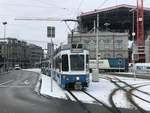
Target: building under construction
[117,25]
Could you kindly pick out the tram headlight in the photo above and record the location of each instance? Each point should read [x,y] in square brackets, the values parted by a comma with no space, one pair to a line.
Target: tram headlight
[77,78]
[87,79]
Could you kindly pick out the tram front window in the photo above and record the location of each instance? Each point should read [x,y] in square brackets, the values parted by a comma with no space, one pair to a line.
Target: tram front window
[77,62]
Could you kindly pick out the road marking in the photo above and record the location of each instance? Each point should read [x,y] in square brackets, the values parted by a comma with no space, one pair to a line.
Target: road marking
[6,82]
[15,86]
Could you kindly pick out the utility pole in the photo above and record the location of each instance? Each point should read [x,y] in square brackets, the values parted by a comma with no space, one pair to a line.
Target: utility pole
[133,44]
[95,72]
[97,34]
[51,34]
[51,61]
[5,48]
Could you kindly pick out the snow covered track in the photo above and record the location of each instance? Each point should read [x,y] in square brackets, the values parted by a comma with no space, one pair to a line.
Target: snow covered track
[110,109]
[129,94]
[80,103]
[132,100]
[100,102]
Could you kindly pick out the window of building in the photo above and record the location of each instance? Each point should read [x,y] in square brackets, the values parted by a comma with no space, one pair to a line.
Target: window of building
[107,41]
[119,44]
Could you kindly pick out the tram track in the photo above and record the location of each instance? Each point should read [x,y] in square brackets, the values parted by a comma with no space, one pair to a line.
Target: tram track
[82,105]
[127,88]
[130,98]
[129,93]
[134,87]
[108,108]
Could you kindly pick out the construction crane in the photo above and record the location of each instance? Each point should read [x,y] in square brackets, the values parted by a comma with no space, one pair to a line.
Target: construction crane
[140,31]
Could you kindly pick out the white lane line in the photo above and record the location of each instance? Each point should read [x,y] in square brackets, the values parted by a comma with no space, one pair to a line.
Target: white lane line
[6,82]
[15,86]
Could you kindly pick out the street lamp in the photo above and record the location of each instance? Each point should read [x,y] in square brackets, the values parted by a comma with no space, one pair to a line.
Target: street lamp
[4,23]
[133,35]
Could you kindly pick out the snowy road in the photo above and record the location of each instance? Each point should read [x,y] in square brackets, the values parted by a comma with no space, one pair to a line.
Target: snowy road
[17,96]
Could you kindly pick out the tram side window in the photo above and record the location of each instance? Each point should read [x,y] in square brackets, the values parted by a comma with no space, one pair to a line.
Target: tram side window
[65,66]
[57,63]
[87,59]
[87,62]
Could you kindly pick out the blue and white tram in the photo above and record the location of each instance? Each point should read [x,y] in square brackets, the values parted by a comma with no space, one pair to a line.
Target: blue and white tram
[71,69]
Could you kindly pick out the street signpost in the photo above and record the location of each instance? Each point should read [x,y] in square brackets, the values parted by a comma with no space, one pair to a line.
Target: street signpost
[51,34]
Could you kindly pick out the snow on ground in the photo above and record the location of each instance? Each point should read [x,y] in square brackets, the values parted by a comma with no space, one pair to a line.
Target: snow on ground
[46,89]
[34,70]
[101,90]
[143,104]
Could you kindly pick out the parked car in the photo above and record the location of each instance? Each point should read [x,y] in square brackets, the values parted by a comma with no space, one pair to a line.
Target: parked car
[17,67]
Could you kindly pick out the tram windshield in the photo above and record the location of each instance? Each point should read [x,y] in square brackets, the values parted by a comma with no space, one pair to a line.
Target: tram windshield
[77,62]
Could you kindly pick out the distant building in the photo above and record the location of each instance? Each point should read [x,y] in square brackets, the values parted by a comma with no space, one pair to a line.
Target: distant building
[15,51]
[35,54]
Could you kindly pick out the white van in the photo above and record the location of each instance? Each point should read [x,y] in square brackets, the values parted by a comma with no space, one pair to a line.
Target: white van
[17,67]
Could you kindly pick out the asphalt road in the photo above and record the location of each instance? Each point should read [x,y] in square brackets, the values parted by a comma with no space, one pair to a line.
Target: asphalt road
[17,95]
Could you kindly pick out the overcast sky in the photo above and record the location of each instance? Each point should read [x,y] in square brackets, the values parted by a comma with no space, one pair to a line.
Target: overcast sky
[35,31]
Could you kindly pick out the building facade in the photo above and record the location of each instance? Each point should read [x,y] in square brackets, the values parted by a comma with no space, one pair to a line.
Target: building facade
[35,54]
[111,45]
[15,52]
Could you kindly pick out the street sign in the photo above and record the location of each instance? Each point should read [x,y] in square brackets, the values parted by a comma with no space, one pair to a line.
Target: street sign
[50,31]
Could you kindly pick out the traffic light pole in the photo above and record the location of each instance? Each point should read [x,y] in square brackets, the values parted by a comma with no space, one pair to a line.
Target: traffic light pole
[97,47]
[51,62]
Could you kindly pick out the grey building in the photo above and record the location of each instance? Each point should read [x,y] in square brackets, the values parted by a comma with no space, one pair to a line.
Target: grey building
[111,45]
[35,54]
[15,51]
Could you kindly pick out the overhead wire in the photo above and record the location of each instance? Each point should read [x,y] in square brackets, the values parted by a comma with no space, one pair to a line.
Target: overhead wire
[102,4]
[77,10]
[79,6]
[50,4]
[38,6]
[25,5]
